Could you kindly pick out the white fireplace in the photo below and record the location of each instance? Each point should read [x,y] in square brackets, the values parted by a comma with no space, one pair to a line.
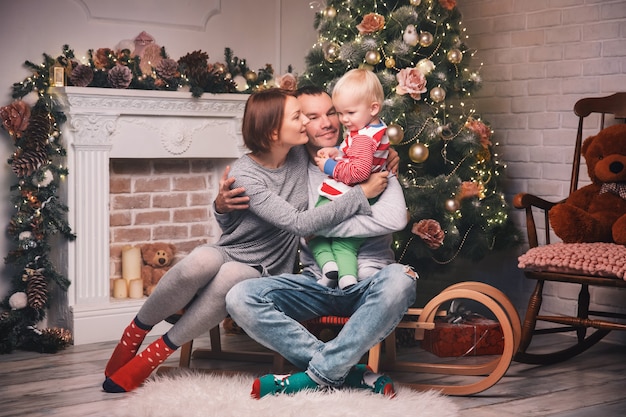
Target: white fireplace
[108,123]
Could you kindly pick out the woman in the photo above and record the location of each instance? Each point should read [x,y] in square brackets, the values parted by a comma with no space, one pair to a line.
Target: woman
[260,241]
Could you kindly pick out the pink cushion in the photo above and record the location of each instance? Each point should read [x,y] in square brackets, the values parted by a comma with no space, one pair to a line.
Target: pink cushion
[601,259]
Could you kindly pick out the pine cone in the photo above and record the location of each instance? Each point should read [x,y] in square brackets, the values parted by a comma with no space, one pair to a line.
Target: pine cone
[167,69]
[28,162]
[82,75]
[37,290]
[195,65]
[120,76]
[36,135]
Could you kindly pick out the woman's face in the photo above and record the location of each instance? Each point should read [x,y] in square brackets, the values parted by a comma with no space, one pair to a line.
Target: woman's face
[293,128]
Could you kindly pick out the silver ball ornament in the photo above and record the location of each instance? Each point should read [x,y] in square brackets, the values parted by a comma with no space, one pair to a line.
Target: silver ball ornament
[438,94]
[418,153]
[395,133]
[372,57]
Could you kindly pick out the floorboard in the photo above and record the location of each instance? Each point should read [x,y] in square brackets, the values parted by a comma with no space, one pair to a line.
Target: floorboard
[68,383]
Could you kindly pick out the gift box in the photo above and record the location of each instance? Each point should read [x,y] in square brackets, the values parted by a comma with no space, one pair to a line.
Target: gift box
[467,336]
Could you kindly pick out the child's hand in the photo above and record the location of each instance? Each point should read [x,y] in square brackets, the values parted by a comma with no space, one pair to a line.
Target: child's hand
[320,162]
[328,153]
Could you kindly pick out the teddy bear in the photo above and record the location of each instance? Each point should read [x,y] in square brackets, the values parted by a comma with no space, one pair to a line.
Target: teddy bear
[158,258]
[597,212]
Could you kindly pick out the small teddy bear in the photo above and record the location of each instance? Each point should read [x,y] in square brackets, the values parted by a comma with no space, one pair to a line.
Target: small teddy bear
[158,258]
[597,212]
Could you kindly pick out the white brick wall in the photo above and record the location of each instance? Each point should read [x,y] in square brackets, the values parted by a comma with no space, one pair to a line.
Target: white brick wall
[539,57]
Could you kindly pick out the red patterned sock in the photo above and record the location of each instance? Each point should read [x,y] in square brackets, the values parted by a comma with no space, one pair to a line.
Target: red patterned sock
[131,375]
[127,347]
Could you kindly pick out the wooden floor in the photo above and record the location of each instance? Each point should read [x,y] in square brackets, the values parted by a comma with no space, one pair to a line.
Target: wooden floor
[68,383]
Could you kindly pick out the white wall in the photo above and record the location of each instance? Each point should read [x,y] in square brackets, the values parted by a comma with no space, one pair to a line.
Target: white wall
[540,57]
[278,32]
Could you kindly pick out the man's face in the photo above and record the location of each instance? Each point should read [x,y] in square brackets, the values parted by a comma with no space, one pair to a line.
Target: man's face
[323,126]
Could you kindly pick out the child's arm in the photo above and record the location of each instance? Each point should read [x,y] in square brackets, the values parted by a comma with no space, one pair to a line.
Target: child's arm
[356,167]
[324,155]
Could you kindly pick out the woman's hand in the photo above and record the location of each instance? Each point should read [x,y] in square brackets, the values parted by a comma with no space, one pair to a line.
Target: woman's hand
[376,184]
[228,200]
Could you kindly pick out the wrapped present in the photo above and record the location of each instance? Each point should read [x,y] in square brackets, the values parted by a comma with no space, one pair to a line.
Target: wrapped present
[469,335]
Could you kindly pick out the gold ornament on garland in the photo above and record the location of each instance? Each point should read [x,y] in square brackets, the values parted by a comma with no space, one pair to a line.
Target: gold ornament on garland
[395,133]
[390,62]
[426,39]
[418,153]
[251,76]
[455,56]
[329,12]
[330,51]
[438,94]
[415,2]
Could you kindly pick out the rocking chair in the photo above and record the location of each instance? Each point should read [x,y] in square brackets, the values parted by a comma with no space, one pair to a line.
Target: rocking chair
[589,325]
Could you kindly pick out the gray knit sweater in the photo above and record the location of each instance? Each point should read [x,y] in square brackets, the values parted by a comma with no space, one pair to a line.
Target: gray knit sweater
[267,234]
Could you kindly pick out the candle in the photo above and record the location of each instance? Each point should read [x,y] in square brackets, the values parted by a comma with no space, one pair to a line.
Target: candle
[131,263]
[120,290]
[135,288]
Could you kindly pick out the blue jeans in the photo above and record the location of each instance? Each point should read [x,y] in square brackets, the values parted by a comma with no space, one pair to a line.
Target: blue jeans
[270,310]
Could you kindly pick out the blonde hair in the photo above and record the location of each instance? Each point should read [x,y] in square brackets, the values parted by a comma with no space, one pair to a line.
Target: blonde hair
[362,84]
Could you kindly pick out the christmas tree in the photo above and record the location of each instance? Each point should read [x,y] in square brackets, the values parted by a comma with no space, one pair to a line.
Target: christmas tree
[449,168]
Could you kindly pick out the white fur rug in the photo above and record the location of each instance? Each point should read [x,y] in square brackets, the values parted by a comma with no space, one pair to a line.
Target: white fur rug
[208,395]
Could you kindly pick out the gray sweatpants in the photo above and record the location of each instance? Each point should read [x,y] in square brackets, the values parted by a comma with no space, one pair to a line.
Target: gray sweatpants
[202,274]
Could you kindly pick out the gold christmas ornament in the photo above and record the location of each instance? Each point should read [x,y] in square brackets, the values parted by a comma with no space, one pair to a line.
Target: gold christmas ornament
[395,133]
[415,2]
[251,76]
[438,94]
[390,62]
[426,39]
[454,55]
[418,153]
[329,12]
[452,205]
[372,57]
[425,66]
[331,51]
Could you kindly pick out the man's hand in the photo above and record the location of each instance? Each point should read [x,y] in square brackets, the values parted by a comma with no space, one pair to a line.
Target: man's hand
[375,185]
[393,161]
[228,200]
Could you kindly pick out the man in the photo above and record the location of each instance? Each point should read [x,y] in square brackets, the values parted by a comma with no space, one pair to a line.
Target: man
[270,309]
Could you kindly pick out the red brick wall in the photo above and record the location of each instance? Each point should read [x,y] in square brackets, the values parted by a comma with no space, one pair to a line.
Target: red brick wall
[165,200]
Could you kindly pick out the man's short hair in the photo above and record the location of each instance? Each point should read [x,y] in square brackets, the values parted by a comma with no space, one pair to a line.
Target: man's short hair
[309,90]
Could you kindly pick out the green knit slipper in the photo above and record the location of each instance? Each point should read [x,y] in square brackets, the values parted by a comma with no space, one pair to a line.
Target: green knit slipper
[271,384]
[362,377]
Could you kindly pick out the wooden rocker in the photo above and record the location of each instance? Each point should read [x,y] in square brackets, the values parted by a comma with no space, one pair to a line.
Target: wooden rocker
[588,325]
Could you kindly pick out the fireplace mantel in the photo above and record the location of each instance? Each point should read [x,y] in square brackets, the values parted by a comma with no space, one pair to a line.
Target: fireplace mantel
[110,123]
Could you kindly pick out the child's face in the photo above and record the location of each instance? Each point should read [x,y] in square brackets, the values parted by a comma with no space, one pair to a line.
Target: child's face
[353,113]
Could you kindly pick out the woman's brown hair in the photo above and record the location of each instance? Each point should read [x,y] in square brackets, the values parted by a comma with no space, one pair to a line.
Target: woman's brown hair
[262,117]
